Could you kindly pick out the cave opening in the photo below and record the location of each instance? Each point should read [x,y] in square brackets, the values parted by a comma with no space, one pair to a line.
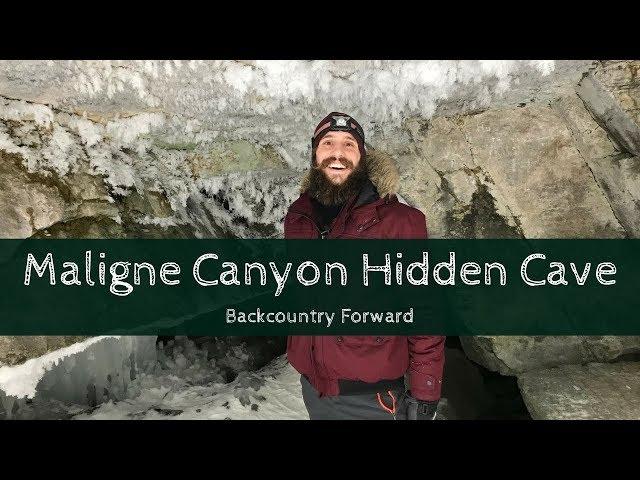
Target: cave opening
[473,392]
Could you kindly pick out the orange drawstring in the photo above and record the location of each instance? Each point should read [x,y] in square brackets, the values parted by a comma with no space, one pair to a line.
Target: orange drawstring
[391,410]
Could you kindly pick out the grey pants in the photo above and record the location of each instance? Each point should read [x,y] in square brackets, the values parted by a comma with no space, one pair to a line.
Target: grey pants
[351,407]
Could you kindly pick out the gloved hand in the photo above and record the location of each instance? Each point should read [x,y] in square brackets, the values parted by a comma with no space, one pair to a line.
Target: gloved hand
[420,409]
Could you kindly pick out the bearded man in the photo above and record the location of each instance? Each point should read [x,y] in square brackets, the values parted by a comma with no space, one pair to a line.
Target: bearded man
[350,192]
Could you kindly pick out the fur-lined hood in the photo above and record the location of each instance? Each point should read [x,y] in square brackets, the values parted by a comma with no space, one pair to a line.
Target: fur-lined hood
[383,173]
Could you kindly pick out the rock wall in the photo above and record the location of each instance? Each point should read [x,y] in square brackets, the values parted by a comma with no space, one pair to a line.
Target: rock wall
[216,149]
[18,349]
[595,391]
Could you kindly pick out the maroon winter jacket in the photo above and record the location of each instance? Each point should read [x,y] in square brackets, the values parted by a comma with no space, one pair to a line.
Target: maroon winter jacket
[325,360]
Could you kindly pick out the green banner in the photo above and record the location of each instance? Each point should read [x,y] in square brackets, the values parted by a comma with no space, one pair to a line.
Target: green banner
[299,287]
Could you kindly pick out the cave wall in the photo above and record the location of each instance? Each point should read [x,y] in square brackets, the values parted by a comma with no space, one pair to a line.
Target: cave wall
[216,149]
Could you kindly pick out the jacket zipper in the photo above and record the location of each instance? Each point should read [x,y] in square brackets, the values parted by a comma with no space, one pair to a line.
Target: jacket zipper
[367,224]
[323,235]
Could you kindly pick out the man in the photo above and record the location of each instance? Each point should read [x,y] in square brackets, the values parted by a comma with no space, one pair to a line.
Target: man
[350,193]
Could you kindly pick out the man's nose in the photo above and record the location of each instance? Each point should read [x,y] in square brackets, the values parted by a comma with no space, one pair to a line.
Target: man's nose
[338,151]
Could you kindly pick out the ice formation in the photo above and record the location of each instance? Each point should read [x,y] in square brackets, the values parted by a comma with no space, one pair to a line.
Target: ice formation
[231,131]
[85,373]
[186,385]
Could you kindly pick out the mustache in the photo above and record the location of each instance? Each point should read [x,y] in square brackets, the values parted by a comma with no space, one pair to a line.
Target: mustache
[329,160]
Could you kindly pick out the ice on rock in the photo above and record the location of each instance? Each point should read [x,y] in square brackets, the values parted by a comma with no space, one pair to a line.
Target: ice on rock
[139,124]
[83,374]
[245,206]
[135,378]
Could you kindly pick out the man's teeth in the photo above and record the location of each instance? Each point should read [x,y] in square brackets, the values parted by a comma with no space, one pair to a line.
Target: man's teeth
[337,167]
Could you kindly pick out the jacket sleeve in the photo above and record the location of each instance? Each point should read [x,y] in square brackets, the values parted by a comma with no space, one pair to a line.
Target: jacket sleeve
[426,353]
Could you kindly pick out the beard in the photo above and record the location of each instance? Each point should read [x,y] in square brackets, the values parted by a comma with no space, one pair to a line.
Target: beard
[331,194]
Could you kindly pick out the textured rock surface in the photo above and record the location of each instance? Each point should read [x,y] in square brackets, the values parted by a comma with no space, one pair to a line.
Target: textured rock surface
[530,156]
[14,350]
[26,204]
[563,142]
[574,392]
[486,149]
[444,180]
[622,79]
[216,149]
[515,354]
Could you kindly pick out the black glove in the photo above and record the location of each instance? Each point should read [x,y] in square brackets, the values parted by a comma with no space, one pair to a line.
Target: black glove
[420,409]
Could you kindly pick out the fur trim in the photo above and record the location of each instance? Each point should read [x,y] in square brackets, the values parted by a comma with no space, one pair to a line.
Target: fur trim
[383,173]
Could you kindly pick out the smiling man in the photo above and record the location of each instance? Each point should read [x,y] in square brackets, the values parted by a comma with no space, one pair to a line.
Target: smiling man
[350,192]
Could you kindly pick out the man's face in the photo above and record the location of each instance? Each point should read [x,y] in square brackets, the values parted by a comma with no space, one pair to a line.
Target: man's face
[337,155]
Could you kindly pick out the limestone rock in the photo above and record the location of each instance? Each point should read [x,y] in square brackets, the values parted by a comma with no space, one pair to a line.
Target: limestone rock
[105,227]
[531,157]
[616,172]
[512,355]
[27,204]
[622,79]
[18,349]
[594,391]
[609,140]
[610,114]
[467,204]
[234,156]
[592,139]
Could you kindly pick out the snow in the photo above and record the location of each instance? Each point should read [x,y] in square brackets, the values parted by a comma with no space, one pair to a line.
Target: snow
[185,385]
[22,380]
[180,382]
[7,144]
[279,399]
